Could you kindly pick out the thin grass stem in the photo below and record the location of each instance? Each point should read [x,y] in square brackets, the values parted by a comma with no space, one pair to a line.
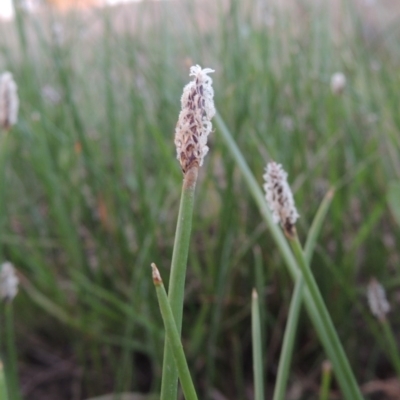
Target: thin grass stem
[343,363]
[316,225]
[3,384]
[176,286]
[392,348]
[288,341]
[173,337]
[11,353]
[257,347]
[326,381]
[295,304]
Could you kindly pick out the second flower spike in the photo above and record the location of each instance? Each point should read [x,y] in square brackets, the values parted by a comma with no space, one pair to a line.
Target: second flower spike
[279,197]
[194,123]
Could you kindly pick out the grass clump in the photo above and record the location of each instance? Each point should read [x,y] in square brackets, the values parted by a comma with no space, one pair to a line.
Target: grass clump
[90,184]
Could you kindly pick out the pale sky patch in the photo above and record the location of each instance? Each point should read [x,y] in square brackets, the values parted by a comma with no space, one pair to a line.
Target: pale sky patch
[6,9]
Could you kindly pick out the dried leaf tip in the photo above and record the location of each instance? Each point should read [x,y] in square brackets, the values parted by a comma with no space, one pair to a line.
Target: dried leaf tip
[156,275]
[8,282]
[377,301]
[194,122]
[279,197]
[9,102]
[327,367]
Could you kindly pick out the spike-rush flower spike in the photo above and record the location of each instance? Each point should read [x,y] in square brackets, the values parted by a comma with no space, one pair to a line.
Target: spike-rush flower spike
[8,101]
[194,122]
[8,282]
[377,301]
[279,197]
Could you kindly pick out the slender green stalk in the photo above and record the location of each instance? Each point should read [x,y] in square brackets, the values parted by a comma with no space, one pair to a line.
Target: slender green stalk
[326,381]
[237,366]
[3,384]
[21,30]
[343,363]
[323,326]
[288,341]
[173,337]
[11,353]
[257,347]
[392,348]
[4,161]
[295,304]
[216,313]
[47,305]
[177,279]
[316,225]
[260,287]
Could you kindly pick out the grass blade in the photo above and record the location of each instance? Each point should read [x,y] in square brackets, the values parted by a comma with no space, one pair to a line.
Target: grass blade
[393,197]
[335,345]
[316,225]
[11,353]
[173,337]
[177,279]
[288,341]
[3,385]
[326,380]
[257,347]
[392,348]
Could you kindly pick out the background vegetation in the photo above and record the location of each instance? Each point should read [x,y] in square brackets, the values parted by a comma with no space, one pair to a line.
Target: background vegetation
[92,186]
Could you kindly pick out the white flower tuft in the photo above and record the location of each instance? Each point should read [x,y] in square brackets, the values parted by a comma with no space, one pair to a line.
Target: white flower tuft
[338,83]
[8,282]
[8,101]
[194,122]
[377,301]
[279,196]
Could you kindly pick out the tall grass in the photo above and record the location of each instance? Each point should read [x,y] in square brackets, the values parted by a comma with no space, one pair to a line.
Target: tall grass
[91,182]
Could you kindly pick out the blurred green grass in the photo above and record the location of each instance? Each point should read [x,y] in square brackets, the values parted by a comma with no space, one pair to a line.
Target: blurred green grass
[91,187]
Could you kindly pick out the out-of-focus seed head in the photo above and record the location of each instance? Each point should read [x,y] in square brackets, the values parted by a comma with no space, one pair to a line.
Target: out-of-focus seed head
[9,102]
[377,301]
[8,282]
[194,122]
[338,83]
[51,95]
[279,197]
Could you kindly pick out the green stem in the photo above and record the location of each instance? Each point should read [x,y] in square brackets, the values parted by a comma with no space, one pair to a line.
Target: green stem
[3,384]
[326,380]
[176,287]
[4,155]
[342,364]
[21,30]
[346,377]
[316,225]
[257,347]
[393,351]
[288,341]
[173,338]
[11,353]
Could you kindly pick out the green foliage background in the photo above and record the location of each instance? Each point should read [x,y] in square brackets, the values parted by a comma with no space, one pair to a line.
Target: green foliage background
[91,189]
